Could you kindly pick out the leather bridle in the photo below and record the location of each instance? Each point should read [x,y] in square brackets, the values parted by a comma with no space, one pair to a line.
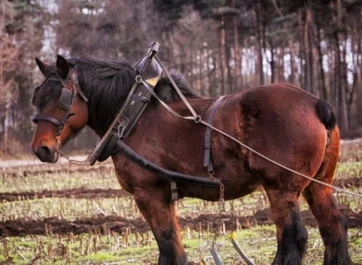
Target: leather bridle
[65,101]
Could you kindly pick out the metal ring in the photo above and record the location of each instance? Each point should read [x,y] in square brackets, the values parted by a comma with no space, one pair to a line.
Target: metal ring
[197,119]
[138,79]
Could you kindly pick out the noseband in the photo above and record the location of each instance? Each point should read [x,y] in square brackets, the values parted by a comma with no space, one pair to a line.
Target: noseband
[65,102]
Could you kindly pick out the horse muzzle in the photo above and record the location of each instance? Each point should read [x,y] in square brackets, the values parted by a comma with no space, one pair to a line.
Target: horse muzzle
[46,154]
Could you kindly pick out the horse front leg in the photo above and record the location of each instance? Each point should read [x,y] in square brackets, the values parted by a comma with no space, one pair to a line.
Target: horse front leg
[159,212]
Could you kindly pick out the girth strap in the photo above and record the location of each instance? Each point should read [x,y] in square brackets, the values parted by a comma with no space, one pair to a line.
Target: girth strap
[208,155]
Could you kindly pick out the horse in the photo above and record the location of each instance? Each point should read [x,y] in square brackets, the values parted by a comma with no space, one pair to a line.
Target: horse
[281,121]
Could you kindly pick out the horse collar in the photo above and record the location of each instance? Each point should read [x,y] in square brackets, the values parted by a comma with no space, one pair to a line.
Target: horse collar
[148,74]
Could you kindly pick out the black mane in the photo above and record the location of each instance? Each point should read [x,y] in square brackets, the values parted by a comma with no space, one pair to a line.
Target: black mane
[106,85]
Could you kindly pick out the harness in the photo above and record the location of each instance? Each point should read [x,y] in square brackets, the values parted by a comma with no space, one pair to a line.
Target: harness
[148,74]
[65,101]
[208,161]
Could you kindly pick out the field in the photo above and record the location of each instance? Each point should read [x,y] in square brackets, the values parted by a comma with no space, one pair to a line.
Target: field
[66,214]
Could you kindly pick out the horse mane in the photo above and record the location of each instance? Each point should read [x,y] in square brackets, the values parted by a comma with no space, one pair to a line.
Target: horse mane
[106,85]
[115,78]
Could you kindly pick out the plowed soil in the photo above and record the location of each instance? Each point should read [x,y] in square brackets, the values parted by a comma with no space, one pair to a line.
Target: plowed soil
[111,193]
[71,193]
[105,224]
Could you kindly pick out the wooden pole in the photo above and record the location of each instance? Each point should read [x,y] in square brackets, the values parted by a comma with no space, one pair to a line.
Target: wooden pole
[239,250]
[215,256]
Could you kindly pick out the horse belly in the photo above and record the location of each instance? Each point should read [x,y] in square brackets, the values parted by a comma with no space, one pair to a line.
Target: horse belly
[237,182]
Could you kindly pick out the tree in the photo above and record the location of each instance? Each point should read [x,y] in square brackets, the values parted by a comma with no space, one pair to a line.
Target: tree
[22,35]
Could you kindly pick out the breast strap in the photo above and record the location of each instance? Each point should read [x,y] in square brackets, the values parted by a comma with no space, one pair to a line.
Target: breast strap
[208,163]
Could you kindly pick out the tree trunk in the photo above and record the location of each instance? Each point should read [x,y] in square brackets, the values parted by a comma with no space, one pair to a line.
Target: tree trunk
[332,76]
[341,85]
[308,67]
[292,62]
[6,127]
[259,46]
[207,62]
[228,72]
[323,89]
[200,70]
[222,54]
[237,70]
[358,73]
[272,62]
[301,50]
[213,87]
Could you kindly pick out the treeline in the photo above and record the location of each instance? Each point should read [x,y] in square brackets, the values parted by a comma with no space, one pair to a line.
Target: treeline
[221,46]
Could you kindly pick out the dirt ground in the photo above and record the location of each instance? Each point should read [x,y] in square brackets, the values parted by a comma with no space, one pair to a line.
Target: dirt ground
[111,193]
[105,224]
[70,193]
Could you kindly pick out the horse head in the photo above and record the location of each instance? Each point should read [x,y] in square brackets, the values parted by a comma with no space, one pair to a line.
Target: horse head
[62,109]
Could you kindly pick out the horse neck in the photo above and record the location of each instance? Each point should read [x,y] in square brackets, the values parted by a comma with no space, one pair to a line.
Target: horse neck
[103,107]
[101,115]
[99,122]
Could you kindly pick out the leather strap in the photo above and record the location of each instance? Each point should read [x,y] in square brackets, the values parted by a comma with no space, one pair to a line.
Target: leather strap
[140,98]
[65,101]
[132,108]
[165,173]
[208,133]
[77,87]
[168,108]
[187,103]
[174,191]
[38,117]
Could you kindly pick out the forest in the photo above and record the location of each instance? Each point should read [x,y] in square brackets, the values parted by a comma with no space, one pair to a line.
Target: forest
[221,46]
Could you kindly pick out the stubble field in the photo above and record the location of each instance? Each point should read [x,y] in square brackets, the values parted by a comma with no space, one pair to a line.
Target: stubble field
[66,214]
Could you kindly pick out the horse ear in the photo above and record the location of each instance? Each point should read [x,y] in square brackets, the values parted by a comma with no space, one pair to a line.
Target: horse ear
[44,68]
[62,67]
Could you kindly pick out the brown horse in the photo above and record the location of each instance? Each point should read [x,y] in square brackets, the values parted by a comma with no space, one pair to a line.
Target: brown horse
[281,121]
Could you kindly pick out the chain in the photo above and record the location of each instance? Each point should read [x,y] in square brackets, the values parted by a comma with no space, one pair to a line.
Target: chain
[221,204]
[232,208]
[72,161]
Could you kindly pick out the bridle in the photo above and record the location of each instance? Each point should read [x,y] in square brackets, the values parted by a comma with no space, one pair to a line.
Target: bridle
[65,100]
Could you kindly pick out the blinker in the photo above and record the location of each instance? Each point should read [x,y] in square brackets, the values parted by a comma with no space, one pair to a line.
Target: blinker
[65,99]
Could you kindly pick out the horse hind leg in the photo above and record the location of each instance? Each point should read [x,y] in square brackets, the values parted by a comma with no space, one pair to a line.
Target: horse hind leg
[291,233]
[160,214]
[332,224]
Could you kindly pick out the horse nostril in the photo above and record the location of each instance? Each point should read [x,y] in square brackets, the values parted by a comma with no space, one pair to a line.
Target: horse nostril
[44,151]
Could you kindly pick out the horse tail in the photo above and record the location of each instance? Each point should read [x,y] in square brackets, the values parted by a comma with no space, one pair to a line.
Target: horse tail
[326,114]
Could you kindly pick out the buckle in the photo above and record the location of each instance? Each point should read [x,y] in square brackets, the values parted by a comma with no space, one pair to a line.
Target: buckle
[122,125]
